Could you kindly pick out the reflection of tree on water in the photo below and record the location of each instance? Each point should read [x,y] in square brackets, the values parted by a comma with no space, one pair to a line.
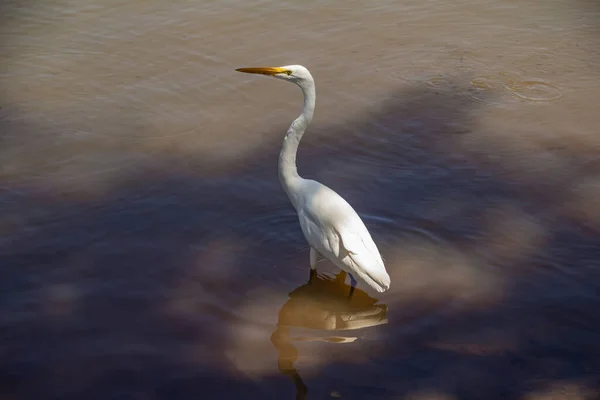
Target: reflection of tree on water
[322,305]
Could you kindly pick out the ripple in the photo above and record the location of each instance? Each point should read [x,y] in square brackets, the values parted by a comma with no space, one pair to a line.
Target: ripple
[482,82]
[265,225]
[534,90]
[387,231]
[375,160]
[439,82]
[512,88]
[489,90]
[486,89]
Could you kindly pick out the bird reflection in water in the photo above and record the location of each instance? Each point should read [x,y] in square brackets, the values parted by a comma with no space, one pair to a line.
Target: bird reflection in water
[317,309]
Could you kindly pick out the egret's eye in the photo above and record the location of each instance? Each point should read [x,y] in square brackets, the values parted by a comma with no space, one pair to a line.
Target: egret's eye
[288,72]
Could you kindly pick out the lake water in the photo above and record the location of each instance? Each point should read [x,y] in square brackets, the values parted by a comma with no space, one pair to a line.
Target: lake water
[148,251]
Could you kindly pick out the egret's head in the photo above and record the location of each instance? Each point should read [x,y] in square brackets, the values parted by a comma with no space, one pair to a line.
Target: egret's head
[293,73]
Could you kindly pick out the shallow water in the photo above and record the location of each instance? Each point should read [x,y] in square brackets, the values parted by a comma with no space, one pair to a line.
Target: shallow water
[148,251]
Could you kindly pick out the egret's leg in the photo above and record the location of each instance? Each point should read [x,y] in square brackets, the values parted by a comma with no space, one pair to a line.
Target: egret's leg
[314,257]
[352,285]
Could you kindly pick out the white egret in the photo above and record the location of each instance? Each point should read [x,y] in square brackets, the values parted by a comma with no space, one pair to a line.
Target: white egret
[330,225]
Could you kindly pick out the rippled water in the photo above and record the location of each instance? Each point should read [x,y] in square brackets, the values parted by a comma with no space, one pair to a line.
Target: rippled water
[148,251]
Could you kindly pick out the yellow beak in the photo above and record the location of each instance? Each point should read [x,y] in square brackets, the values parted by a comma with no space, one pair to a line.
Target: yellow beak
[264,70]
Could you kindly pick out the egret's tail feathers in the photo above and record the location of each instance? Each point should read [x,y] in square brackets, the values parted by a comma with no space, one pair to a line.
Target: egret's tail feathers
[377,278]
[382,281]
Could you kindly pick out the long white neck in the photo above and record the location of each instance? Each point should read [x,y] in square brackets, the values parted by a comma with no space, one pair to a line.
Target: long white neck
[288,173]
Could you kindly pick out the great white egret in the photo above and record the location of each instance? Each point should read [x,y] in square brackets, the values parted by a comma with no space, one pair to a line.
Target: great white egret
[330,225]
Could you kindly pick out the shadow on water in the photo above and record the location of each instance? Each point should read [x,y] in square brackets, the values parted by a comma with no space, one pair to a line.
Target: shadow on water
[145,289]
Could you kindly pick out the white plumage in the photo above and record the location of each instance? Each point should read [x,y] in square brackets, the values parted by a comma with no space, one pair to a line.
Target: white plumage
[330,225]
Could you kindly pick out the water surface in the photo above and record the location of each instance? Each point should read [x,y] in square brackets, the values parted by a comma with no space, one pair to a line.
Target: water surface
[148,251]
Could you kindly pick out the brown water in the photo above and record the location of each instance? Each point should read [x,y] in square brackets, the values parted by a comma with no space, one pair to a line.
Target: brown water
[148,251]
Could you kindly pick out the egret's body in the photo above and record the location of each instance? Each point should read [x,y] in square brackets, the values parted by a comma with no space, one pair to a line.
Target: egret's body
[330,225]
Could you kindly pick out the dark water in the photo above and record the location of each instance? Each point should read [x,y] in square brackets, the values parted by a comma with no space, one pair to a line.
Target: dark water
[148,251]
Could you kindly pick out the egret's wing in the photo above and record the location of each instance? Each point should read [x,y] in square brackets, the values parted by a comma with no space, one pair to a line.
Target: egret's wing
[349,244]
[332,226]
[354,242]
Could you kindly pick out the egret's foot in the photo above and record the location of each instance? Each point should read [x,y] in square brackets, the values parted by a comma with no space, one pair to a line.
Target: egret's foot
[313,274]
